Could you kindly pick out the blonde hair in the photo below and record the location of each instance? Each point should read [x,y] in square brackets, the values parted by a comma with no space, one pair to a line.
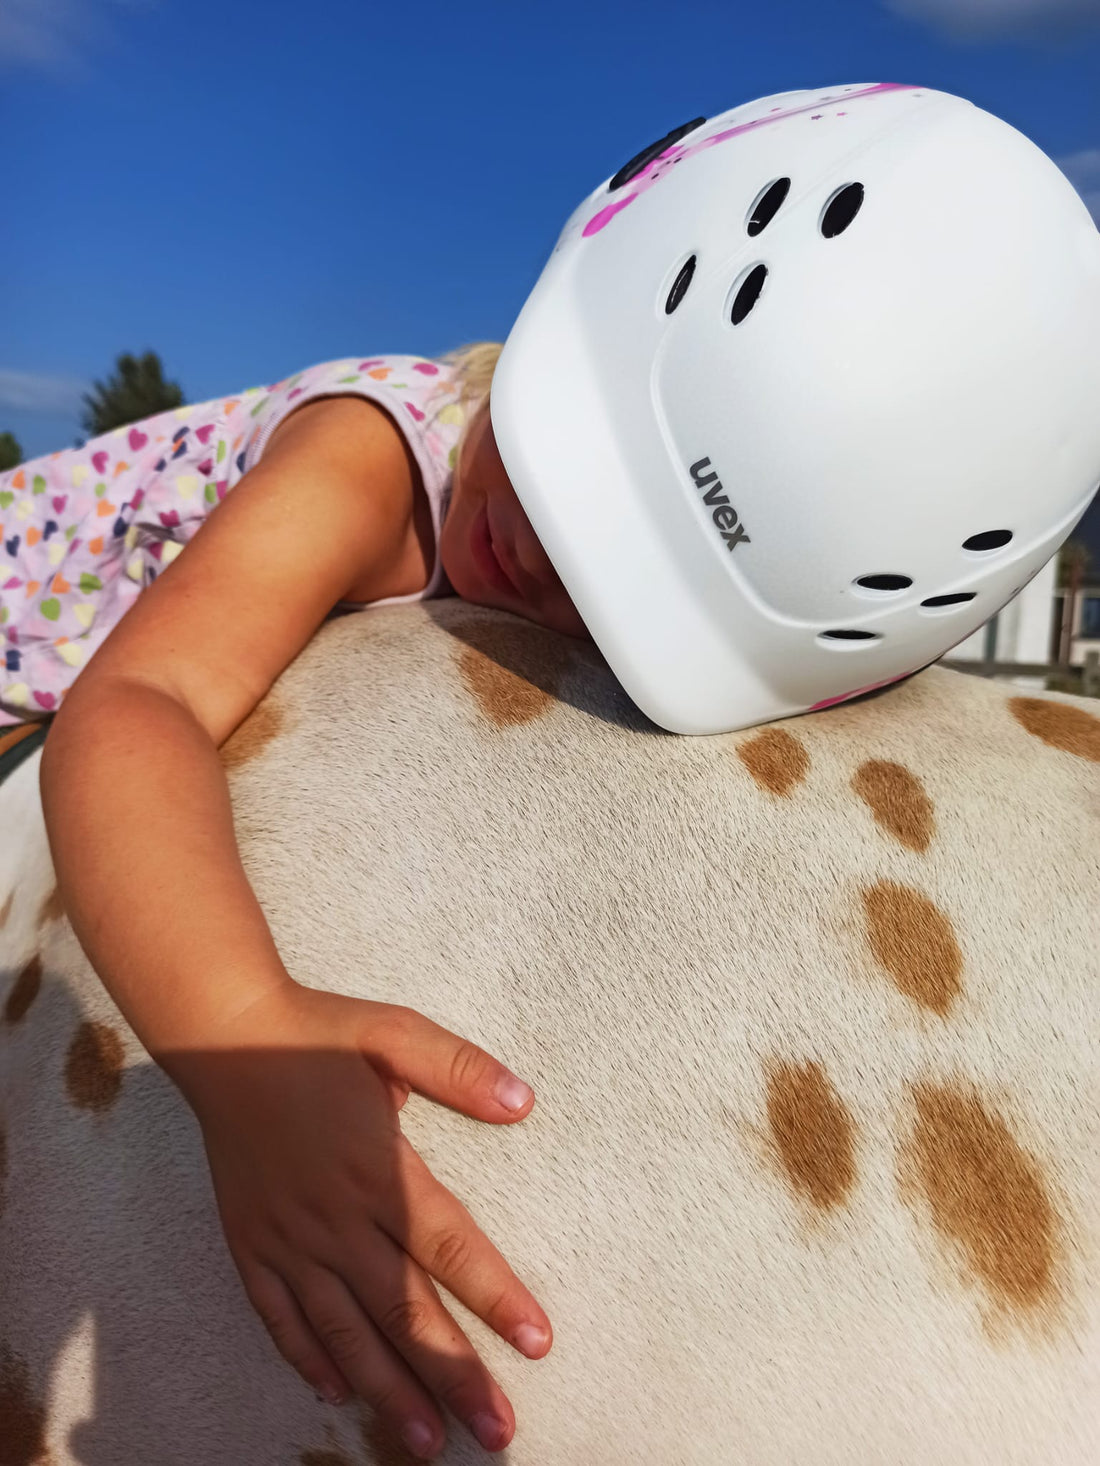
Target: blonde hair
[473,366]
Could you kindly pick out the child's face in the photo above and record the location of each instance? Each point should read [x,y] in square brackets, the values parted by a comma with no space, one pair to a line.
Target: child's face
[489,551]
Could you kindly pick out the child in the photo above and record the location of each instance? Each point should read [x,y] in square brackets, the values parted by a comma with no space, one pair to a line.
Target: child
[323,503]
[120,509]
[802,396]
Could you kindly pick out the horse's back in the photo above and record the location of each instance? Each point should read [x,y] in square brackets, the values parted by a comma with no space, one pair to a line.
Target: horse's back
[810,1014]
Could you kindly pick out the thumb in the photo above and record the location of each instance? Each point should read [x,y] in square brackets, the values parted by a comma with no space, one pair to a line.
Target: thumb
[412,1052]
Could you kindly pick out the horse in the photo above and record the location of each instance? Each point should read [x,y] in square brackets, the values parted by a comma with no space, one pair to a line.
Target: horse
[812,1016]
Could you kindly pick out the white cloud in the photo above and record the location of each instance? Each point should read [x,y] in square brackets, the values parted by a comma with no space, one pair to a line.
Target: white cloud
[38,392]
[1083,171]
[57,35]
[988,20]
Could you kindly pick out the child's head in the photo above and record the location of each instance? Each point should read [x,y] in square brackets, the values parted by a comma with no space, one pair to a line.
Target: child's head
[490,553]
[804,394]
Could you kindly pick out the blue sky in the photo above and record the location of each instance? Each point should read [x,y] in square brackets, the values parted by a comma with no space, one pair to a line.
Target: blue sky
[249,188]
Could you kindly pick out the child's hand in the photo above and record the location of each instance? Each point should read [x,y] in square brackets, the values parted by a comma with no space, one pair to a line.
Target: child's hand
[334,1221]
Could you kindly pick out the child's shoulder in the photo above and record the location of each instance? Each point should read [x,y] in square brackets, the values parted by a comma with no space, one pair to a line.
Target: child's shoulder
[419,395]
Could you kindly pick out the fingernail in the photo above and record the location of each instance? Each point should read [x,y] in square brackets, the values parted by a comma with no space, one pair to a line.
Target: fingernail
[417,1436]
[512,1092]
[487,1428]
[329,1394]
[530,1339]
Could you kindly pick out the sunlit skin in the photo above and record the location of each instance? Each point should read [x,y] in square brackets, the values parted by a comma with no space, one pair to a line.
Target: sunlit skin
[497,560]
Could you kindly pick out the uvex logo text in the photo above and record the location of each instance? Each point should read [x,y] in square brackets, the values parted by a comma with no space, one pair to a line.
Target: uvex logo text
[725,515]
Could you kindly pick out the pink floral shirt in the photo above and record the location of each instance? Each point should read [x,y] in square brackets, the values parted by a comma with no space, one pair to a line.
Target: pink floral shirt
[86,529]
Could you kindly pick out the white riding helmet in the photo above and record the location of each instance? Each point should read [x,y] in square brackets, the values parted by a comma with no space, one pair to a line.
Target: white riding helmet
[804,394]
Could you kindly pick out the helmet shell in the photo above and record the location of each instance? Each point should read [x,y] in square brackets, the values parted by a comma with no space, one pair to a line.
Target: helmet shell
[760,518]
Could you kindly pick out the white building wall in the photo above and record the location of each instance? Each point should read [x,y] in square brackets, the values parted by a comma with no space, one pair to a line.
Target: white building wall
[1023,627]
[972,649]
[1033,618]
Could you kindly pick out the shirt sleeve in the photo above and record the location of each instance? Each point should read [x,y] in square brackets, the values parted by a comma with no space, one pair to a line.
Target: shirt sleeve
[420,396]
[396,383]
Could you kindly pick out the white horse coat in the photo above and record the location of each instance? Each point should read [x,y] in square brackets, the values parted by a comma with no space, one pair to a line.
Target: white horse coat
[812,1016]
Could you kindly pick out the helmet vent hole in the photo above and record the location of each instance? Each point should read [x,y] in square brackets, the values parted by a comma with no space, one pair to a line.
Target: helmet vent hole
[749,293]
[958,599]
[992,539]
[641,161]
[841,209]
[679,286]
[884,582]
[767,205]
[848,635]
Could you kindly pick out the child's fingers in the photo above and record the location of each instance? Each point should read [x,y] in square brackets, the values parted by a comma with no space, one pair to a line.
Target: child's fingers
[343,1333]
[385,1285]
[290,1331]
[437,1231]
[403,1044]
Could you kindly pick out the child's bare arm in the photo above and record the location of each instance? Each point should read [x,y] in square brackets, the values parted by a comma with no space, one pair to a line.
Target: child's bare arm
[297,1126]
[136,803]
[138,814]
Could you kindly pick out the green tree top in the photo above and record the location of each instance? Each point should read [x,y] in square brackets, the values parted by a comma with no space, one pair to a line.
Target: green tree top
[11,455]
[136,390]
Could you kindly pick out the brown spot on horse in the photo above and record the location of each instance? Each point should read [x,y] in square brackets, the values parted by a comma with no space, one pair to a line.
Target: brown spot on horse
[776,759]
[812,1131]
[915,942]
[985,1193]
[24,990]
[897,800]
[511,669]
[1059,725]
[93,1069]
